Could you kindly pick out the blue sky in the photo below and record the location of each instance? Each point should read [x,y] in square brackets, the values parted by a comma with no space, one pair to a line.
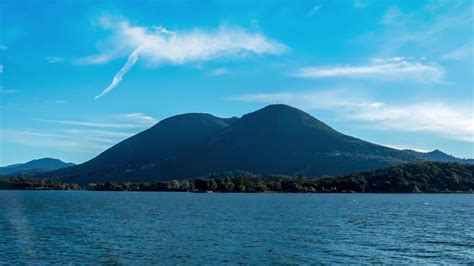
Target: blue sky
[76,77]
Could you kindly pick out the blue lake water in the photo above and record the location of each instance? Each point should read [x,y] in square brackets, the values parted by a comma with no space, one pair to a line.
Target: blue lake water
[187,228]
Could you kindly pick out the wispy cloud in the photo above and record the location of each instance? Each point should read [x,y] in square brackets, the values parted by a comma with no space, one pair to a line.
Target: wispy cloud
[327,99]
[140,119]
[132,59]
[159,46]
[396,68]
[465,52]
[360,4]
[95,59]
[132,120]
[3,47]
[81,136]
[53,59]
[93,124]
[394,16]
[1,69]
[75,140]
[452,121]
[314,10]
[4,90]
[428,29]
[219,72]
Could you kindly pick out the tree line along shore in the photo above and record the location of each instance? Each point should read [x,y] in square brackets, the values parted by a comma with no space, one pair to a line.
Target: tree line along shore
[428,177]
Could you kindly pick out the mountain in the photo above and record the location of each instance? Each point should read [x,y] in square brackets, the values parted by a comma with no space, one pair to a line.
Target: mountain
[277,139]
[439,156]
[280,139]
[34,167]
[157,153]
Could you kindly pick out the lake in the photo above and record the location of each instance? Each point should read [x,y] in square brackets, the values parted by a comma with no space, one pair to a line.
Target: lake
[215,228]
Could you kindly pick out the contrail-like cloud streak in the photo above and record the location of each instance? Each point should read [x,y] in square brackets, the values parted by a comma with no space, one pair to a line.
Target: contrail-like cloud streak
[132,59]
[158,46]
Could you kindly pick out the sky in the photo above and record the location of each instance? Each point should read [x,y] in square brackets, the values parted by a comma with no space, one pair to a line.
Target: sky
[77,77]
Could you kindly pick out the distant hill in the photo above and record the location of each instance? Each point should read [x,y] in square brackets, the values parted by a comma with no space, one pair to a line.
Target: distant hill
[430,177]
[439,156]
[277,139]
[34,167]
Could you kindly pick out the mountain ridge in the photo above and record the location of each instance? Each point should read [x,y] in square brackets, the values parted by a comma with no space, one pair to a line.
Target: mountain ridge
[439,156]
[34,166]
[277,139]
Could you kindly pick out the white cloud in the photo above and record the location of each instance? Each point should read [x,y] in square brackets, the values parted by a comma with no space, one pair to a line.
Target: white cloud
[219,72]
[3,47]
[314,10]
[158,46]
[140,118]
[452,121]
[465,52]
[53,59]
[396,68]
[132,59]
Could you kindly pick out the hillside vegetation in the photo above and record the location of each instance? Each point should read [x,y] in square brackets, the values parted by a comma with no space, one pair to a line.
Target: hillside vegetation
[427,177]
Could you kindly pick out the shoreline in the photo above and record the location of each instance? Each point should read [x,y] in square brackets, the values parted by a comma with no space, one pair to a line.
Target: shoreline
[236,192]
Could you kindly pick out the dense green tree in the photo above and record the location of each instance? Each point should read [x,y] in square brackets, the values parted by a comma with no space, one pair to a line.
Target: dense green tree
[185,186]
[174,185]
[36,184]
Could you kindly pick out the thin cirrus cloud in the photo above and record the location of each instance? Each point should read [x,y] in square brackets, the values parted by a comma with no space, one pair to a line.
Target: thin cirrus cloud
[158,46]
[408,30]
[53,59]
[93,124]
[132,120]
[219,72]
[74,135]
[451,121]
[76,139]
[396,68]
[465,52]
[360,4]
[4,90]
[140,118]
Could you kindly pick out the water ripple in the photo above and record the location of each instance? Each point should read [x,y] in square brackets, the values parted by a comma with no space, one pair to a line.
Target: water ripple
[185,228]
